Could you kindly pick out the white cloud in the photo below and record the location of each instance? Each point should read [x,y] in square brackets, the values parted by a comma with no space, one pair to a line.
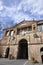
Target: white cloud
[21,16]
[17,12]
[40,12]
[33,5]
[1,7]
[37,7]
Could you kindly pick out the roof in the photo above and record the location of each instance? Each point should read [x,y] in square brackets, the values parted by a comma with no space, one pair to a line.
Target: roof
[37,21]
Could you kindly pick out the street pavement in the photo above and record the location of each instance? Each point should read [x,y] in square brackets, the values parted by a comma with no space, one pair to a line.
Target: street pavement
[16,62]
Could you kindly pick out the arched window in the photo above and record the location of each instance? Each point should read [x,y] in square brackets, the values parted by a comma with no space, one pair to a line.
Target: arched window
[12,32]
[7,33]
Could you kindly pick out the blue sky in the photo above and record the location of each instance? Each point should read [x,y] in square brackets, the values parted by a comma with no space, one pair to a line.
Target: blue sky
[14,11]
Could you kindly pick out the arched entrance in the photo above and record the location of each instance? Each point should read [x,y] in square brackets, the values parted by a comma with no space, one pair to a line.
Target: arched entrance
[41,50]
[22,49]
[7,52]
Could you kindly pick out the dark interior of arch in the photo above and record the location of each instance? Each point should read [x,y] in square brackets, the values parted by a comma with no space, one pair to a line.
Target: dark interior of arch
[42,58]
[41,49]
[7,52]
[22,49]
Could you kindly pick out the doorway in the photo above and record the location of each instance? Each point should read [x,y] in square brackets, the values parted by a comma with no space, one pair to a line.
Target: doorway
[22,49]
[7,52]
[42,58]
[41,50]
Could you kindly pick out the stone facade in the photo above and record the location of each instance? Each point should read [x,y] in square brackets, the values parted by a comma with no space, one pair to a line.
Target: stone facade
[32,32]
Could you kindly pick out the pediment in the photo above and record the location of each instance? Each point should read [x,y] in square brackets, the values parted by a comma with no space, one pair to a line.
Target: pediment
[25,23]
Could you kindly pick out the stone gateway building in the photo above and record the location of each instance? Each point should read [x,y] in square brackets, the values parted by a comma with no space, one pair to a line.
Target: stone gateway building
[23,41]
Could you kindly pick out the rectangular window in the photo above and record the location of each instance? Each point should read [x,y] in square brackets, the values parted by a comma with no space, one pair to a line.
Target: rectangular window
[24,30]
[29,28]
[18,31]
[40,27]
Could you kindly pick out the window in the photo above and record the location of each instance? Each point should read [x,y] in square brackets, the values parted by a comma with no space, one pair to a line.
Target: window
[24,30]
[40,27]
[34,27]
[12,32]
[30,28]
[21,30]
[7,33]
[18,31]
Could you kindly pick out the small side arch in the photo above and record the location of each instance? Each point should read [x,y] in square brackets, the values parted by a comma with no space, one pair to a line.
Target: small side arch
[7,52]
[41,50]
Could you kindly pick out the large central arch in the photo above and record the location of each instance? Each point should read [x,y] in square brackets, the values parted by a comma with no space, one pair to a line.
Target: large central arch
[22,49]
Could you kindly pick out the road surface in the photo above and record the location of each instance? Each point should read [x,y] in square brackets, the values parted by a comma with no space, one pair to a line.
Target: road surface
[16,62]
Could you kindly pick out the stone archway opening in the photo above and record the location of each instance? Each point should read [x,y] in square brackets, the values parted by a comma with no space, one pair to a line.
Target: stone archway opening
[22,49]
[7,52]
[41,50]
